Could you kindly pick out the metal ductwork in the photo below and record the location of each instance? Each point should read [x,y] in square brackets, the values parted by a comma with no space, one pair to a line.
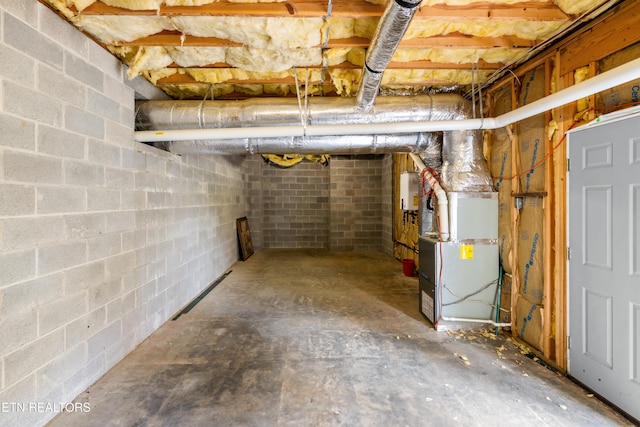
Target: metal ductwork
[464,167]
[391,28]
[264,112]
[462,162]
[359,144]
[284,112]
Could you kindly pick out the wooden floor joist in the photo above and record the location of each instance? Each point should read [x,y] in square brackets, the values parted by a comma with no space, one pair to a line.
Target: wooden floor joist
[452,41]
[542,11]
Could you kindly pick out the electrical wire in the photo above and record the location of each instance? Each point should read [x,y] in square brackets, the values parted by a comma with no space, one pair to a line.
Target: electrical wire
[550,153]
[576,121]
[466,297]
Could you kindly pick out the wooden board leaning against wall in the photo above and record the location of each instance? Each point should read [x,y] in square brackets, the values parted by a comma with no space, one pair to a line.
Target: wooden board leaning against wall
[405,223]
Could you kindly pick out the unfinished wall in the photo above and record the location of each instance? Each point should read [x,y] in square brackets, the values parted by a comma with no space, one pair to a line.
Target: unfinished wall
[101,239]
[309,205]
[387,204]
[405,223]
[255,200]
[356,203]
[295,206]
[501,170]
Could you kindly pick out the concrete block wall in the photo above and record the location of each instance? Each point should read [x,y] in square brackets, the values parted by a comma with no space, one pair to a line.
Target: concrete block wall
[356,203]
[346,205]
[387,204]
[295,206]
[255,199]
[101,239]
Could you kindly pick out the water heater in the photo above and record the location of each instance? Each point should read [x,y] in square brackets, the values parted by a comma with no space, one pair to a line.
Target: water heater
[409,191]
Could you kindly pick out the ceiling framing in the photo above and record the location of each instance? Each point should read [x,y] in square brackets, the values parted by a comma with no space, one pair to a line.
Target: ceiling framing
[232,50]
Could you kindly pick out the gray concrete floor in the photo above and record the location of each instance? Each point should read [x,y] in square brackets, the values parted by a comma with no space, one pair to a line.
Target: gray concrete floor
[314,338]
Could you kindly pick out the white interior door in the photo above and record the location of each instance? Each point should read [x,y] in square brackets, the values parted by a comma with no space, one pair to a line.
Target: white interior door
[604,265]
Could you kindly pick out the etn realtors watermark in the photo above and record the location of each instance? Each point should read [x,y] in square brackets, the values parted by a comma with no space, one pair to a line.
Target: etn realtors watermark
[41,407]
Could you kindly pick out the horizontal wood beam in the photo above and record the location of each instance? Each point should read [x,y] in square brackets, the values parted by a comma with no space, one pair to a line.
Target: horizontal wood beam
[413,65]
[537,11]
[179,78]
[615,31]
[454,40]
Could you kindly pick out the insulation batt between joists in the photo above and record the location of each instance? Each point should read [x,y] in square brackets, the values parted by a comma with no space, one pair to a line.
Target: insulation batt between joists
[345,81]
[201,91]
[567,6]
[258,32]
[250,59]
[245,58]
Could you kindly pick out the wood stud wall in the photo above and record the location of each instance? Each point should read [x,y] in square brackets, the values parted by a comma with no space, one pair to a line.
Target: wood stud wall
[405,227]
[560,64]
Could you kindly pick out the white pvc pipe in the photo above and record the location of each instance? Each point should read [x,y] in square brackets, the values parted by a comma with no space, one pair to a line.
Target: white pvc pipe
[617,76]
[441,196]
[463,319]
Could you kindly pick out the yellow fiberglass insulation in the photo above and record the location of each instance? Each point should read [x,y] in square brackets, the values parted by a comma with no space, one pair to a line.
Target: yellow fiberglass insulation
[255,31]
[312,75]
[366,27]
[574,7]
[112,29]
[341,28]
[125,53]
[457,56]
[188,2]
[251,59]
[135,4]
[149,58]
[530,30]
[345,81]
[460,77]
[195,56]
[460,2]
[356,56]
[336,55]
[221,75]
[196,90]
[580,75]
[81,4]
[154,75]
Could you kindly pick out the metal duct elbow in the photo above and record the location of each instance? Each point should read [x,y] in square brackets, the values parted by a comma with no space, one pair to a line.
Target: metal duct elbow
[391,28]
[464,167]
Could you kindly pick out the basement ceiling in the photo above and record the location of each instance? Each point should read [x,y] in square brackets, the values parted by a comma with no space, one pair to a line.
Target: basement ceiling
[196,49]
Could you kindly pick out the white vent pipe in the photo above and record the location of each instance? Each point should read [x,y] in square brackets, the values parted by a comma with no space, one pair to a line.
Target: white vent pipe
[617,76]
[441,196]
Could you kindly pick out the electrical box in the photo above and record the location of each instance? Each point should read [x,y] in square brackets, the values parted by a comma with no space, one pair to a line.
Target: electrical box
[409,191]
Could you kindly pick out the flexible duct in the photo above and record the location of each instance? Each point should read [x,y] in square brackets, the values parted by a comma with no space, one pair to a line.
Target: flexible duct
[360,144]
[617,76]
[389,32]
[463,165]
[285,112]
[262,115]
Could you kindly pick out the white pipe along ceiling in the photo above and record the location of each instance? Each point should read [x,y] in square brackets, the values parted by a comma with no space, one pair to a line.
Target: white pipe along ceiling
[412,123]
